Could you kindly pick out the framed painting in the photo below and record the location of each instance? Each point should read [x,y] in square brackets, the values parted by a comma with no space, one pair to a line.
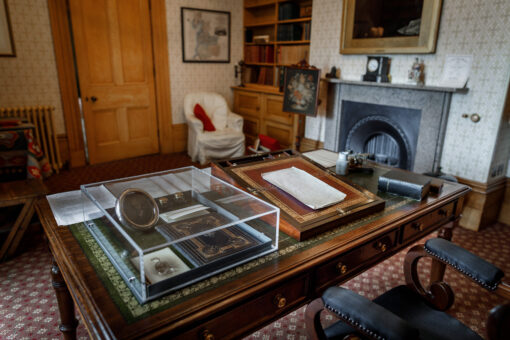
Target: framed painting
[397,26]
[301,90]
[6,39]
[205,36]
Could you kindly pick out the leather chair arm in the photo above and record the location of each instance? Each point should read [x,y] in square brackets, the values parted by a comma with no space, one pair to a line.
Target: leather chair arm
[235,121]
[367,317]
[484,273]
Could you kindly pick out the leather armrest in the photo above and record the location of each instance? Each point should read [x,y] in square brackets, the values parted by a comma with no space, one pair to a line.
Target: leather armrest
[481,271]
[366,316]
[235,121]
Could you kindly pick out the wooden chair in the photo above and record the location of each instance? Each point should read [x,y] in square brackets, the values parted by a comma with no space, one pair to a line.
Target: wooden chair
[410,311]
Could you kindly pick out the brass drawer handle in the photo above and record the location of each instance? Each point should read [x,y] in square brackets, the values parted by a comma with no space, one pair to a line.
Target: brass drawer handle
[279,301]
[207,335]
[442,212]
[341,267]
[381,246]
[417,226]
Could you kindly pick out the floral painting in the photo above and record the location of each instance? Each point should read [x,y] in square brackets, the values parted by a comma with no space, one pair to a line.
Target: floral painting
[301,90]
[205,36]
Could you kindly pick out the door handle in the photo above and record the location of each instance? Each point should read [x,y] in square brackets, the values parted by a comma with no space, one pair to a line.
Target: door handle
[92,99]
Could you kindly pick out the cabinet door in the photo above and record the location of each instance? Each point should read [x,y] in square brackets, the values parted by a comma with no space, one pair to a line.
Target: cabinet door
[251,128]
[273,110]
[281,132]
[247,103]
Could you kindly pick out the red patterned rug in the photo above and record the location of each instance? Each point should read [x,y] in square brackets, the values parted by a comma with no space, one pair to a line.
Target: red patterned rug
[28,308]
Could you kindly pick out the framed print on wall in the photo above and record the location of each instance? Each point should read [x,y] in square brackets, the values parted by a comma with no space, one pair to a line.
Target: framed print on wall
[6,39]
[205,36]
[301,90]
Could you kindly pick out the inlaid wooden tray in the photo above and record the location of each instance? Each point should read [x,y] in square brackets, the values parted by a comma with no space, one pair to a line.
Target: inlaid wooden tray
[298,220]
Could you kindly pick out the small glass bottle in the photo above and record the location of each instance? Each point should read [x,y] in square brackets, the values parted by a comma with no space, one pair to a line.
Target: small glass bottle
[342,164]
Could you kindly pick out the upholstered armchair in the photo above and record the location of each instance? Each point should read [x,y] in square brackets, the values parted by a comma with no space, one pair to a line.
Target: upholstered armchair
[228,139]
[410,311]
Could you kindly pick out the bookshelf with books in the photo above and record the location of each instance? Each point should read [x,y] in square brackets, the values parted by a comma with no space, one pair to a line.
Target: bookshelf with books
[276,34]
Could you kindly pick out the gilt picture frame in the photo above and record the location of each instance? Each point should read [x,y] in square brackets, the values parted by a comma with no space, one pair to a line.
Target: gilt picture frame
[301,90]
[205,36]
[378,42]
[6,39]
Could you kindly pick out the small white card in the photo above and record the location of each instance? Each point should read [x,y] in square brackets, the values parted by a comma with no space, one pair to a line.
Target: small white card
[160,265]
[456,71]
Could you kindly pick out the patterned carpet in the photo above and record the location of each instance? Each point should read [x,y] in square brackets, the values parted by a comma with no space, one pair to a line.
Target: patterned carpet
[28,308]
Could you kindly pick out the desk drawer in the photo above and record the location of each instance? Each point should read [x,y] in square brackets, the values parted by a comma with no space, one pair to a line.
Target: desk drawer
[424,223]
[331,272]
[275,302]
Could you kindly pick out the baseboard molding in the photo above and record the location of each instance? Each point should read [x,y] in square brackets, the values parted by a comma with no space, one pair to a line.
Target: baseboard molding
[180,137]
[310,144]
[482,205]
[504,212]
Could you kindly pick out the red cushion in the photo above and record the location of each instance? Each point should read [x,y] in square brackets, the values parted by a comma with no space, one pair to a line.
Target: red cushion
[270,143]
[204,118]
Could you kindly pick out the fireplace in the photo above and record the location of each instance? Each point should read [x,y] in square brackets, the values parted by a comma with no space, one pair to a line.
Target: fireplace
[389,134]
[399,125]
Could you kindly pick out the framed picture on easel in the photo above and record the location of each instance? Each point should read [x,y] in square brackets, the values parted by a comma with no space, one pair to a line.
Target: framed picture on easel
[301,89]
[6,39]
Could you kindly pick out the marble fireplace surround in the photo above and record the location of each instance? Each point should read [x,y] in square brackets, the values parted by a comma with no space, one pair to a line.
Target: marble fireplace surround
[433,102]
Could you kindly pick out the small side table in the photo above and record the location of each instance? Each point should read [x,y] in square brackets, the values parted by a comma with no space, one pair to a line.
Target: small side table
[24,193]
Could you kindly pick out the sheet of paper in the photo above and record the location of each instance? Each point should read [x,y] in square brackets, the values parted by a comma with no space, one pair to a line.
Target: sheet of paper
[324,157]
[68,207]
[304,187]
[456,71]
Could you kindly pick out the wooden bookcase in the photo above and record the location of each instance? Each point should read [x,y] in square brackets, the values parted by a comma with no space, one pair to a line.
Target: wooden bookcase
[276,34]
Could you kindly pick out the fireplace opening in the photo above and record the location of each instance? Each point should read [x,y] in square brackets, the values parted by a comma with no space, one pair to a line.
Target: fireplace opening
[388,134]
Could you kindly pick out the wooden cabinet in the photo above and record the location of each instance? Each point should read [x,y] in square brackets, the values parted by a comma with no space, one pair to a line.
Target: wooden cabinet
[263,114]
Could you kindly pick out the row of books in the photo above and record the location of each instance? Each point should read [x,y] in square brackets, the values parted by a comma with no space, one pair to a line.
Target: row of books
[259,54]
[289,32]
[307,31]
[292,54]
[259,75]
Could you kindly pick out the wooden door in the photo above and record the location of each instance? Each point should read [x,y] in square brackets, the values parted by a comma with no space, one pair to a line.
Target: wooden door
[112,40]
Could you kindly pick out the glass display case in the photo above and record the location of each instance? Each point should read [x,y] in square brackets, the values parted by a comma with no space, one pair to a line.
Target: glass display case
[165,230]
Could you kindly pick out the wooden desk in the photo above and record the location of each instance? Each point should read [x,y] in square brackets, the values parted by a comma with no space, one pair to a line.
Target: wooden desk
[22,193]
[244,303]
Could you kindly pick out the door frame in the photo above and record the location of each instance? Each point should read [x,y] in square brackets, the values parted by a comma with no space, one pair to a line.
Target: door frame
[60,27]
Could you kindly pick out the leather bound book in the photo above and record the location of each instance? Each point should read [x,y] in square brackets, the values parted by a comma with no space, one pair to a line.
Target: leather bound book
[405,183]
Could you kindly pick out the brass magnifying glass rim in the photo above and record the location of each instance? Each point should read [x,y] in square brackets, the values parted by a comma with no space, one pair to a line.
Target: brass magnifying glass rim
[124,218]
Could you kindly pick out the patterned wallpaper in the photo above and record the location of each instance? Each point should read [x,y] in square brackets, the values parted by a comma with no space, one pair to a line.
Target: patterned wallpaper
[30,78]
[191,77]
[475,27]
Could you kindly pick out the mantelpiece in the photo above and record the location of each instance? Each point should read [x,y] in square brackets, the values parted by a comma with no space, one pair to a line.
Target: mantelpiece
[432,103]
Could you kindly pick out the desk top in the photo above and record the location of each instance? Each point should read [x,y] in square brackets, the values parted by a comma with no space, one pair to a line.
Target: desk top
[295,263]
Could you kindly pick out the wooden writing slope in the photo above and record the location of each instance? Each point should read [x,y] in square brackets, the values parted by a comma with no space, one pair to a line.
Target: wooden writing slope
[298,220]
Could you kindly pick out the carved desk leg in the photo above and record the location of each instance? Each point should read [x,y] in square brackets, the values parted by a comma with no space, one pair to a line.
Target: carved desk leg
[438,268]
[68,322]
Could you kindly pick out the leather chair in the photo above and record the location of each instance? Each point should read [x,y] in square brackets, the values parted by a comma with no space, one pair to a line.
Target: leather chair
[410,311]
[228,139]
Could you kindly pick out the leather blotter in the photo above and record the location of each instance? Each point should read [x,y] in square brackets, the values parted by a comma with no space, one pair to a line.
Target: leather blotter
[405,183]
